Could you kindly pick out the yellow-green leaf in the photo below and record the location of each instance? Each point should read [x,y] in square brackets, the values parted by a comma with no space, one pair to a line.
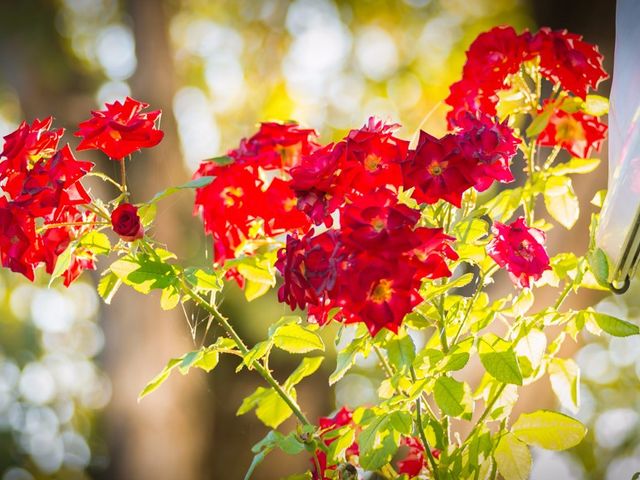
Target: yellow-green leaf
[513,458]
[294,338]
[550,430]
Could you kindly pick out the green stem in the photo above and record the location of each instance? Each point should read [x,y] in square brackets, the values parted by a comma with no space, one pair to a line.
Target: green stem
[423,436]
[69,224]
[387,368]
[266,374]
[563,295]
[486,412]
[442,325]
[531,167]
[123,178]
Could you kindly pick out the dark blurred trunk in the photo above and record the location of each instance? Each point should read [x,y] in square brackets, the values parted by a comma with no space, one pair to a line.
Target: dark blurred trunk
[163,436]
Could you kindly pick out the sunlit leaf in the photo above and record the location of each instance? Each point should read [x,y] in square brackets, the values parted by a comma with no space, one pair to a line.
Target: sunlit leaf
[513,458]
[550,430]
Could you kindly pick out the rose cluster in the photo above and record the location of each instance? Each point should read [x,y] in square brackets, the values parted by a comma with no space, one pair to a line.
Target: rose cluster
[494,63]
[40,212]
[44,207]
[354,252]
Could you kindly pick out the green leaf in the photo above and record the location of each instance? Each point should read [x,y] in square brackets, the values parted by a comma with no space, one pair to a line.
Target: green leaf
[204,280]
[596,105]
[272,410]
[347,358]
[170,297]
[196,183]
[549,430]
[160,378]
[307,367]
[449,394]
[258,351]
[147,213]
[108,286]
[297,339]
[62,263]
[377,443]
[503,205]
[564,375]
[539,123]
[144,273]
[499,359]
[599,265]
[339,446]
[612,325]
[401,351]
[471,230]
[561,201]
[513,458]
[401,422]
[432,290]
[97,242]
[576,165]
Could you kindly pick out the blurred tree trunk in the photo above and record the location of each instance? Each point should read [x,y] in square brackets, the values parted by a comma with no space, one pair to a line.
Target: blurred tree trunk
[163,436]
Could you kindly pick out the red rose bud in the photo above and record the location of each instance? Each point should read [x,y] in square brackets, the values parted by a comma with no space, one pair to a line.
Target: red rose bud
[126,222]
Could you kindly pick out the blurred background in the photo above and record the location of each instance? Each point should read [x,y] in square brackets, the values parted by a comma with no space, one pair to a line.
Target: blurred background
[71,369]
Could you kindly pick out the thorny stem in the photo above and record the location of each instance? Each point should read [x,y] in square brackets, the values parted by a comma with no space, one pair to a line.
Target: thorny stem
[123,177]
[552,156]
[266,374]
[69,224]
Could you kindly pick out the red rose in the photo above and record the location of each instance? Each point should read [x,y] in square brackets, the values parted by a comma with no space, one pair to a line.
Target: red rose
[577,132]
[120,129]
[126,222]
[521,250]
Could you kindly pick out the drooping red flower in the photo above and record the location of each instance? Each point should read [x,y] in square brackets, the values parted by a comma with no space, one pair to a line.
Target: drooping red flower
[23,148]
[125,221]
[18,240]
[378,222]
[52,184]
[319,185]
[275,146]
[343,417]
[469,96]
[491,145]
[120,129]
[412,463]
[310,268]
[371,156]
[568,60]
[431,255]
[576,132]
[494,55]
[520,249]
[438,170]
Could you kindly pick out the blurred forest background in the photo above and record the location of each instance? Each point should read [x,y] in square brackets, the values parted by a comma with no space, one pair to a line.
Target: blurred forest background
[71,370]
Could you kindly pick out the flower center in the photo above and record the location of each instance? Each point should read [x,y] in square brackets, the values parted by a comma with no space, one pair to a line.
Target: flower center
[230,195]
[525,250]
[382,291]
[378,223]
[290,204]
[115,134]
[569,129]
[435,168]
[372,162]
